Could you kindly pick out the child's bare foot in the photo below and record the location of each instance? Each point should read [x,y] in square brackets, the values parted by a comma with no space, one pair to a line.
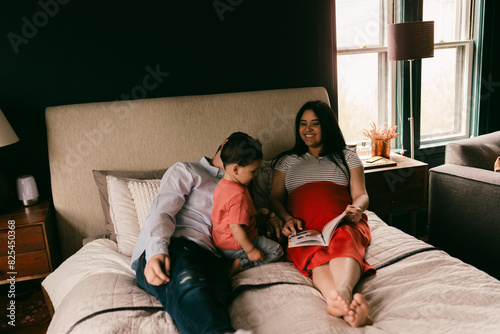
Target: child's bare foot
[235,268]
[338,302]
[358,312]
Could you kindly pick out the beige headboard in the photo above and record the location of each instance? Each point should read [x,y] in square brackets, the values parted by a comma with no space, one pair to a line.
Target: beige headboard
[152,134]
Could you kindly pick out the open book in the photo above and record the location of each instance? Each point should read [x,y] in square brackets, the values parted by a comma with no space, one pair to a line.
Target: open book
[313,237]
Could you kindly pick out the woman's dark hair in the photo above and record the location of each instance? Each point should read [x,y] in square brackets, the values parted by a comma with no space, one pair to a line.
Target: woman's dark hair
[241,149]
[331,136]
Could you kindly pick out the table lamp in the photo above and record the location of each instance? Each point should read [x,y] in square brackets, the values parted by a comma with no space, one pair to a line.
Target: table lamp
[7,137]
[410,41]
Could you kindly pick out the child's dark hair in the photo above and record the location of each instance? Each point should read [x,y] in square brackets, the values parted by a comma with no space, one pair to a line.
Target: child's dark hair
[241,149]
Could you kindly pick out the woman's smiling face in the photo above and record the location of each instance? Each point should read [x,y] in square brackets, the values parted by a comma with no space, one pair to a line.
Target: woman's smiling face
[310,130]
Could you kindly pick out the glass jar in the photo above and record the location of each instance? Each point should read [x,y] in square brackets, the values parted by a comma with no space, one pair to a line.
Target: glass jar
[363,149]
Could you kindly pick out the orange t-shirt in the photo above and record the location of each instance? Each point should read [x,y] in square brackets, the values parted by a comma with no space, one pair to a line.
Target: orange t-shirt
[232,205]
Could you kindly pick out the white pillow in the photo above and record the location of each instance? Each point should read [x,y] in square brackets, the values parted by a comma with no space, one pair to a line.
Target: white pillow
[129,202]
[143,193]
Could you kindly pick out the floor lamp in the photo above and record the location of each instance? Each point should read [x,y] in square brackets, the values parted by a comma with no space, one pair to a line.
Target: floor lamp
[7,137]
[410,41]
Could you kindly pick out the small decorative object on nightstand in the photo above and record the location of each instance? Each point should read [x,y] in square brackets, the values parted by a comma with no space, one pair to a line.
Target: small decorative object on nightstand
[364,149]
[27,190]
[381,139]
[28,244]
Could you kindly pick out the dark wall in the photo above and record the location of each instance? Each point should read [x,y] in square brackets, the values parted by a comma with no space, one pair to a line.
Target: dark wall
[490,83]
[56,52]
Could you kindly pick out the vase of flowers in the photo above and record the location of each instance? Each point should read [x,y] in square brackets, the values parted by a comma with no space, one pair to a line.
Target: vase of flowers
[381,139]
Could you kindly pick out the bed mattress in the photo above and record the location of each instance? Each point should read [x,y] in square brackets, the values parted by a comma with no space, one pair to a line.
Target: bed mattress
[417,289]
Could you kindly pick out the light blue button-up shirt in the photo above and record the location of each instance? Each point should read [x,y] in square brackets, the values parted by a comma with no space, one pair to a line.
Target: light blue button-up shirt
[182,208]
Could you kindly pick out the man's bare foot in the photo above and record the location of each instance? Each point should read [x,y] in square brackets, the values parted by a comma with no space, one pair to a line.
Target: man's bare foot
[358,312]
[338,302]
[235,268]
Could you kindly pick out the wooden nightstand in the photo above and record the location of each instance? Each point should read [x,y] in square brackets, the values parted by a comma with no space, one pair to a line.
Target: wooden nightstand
[398,188]
[28,244]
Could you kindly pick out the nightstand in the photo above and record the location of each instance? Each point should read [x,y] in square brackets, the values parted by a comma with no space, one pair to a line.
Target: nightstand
[28,244]
[398,188]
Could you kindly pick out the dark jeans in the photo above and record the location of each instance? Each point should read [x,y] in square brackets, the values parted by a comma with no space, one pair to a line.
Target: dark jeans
[199,292]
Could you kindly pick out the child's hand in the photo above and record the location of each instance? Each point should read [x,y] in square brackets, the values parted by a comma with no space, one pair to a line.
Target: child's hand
[255,255]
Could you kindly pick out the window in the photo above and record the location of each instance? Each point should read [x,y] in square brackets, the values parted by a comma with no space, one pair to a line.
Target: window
[367,81]
[362,69]
[446,78]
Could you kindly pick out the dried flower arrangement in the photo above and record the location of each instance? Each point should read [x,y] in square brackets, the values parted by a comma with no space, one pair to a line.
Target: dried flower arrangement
[382,132]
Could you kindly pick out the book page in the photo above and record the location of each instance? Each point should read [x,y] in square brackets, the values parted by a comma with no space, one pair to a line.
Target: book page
[329,228]
[315,238]
[306,238]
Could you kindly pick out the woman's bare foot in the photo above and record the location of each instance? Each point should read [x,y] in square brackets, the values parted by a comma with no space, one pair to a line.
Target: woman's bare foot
[235,268]
[358,312]
[338,302]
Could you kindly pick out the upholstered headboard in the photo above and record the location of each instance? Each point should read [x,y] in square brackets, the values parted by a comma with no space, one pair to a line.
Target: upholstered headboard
[151,134]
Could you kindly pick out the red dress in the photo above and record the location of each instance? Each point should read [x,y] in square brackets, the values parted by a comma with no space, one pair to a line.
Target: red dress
[316,204]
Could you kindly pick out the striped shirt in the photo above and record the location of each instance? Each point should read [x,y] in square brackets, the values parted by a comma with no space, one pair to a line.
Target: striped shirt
[307,168]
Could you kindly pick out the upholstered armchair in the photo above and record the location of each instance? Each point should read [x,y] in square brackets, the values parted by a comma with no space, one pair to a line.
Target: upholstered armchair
[464,202]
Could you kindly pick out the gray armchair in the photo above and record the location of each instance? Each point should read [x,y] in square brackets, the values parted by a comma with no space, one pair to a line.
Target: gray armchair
[464,202]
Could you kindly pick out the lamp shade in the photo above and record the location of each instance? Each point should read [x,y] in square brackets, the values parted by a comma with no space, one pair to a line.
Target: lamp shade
[7,134]
[410,40]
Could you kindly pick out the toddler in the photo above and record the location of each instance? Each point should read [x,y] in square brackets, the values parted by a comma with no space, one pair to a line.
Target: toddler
[233,216]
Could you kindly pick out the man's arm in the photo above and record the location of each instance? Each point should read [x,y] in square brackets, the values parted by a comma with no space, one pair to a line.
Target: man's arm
[160,222]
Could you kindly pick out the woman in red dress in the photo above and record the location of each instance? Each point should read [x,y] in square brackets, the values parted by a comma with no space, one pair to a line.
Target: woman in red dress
[315,181]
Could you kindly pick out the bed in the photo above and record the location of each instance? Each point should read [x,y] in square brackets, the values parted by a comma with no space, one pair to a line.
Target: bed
[106,160]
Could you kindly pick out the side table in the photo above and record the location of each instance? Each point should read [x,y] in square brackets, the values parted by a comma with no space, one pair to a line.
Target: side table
[28,250]
[398,188]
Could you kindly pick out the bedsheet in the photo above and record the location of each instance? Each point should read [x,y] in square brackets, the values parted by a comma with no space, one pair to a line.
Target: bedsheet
[417,289]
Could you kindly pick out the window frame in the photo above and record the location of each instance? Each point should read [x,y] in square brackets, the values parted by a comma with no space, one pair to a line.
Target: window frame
[463,89]
[382,63]
[393,86]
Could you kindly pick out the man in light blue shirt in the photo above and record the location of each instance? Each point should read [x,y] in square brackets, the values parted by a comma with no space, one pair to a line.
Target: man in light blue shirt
[182,208]
[175,259]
